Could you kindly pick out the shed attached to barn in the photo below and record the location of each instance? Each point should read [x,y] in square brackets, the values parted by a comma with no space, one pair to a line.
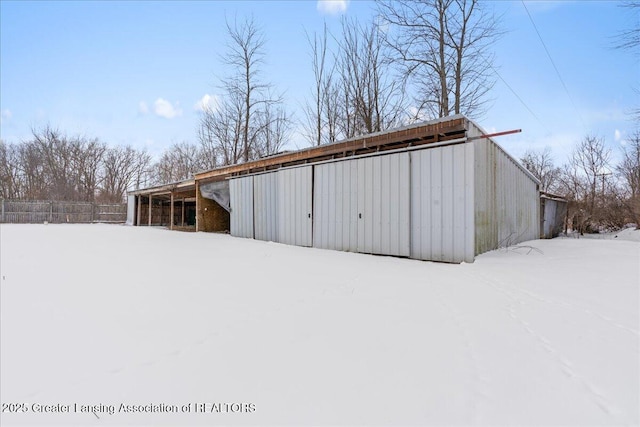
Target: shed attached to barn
[440,190]
[553,213]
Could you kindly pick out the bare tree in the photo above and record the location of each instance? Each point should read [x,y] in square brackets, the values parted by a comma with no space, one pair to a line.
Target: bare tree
[234,130]
[55,153]
[444,48]
[246,55]
[123,168]
[63,168]
[86,162]
[331,111]
[586,180]
[209,149]
[591,158]
[274,129]
[540,164]
[317,110]
[221,130]
[181,161]
[10,179]
[629,40]
[35,182]
[629,172]
[372,97]
[51,165]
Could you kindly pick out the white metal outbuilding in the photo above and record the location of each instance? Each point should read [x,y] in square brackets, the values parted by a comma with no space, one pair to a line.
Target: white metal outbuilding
[443,202]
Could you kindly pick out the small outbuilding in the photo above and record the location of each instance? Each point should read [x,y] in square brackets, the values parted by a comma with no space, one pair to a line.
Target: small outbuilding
[441,190]
[553,214]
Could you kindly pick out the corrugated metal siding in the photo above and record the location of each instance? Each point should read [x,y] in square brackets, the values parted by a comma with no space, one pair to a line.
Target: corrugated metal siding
[241,199]
[294,206]
[383,205]
[549,215]
[265,211]
[506,200]
[553,214]
[442,201]
[335,206]
[445,203]
[363,205]
[131,209]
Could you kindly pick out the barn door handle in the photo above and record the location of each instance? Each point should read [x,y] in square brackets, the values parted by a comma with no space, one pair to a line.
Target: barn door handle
[309,215]
[360,215]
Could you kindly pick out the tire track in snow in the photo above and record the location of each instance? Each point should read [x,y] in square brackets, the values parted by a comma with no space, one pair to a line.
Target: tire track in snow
[565,365]
[573,306]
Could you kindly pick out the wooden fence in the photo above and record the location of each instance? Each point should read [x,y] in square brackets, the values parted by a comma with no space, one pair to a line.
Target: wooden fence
[37,211]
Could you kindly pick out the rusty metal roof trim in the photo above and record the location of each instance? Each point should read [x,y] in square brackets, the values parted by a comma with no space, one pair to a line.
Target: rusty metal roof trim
[418,132]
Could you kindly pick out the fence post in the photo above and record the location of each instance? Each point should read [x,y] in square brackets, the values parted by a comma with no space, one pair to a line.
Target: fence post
[2,215]
[51,212]
[93,212]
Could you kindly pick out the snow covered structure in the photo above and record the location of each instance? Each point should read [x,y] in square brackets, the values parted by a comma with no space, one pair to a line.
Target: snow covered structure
[440,190]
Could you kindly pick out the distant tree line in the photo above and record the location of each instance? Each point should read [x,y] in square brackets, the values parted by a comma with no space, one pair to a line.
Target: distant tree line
[602,194]
[53,166]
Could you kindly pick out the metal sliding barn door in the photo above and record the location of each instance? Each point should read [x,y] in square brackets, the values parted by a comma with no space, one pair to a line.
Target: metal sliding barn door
[362,205]
[294,206]
[241,200]
[383,205]
[335,205]
[442,203]
[265,203]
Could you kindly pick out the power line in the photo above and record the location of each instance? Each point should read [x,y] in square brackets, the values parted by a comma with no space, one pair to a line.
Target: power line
[519,99]
[554,65]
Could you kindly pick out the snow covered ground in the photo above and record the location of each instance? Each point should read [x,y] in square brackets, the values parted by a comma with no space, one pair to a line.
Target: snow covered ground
[544,334]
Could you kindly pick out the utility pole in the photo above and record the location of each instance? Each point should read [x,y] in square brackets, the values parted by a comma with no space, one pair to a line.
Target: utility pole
[603,175]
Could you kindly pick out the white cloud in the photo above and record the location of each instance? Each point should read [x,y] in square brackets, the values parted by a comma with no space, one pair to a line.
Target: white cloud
[5,115]
[207,102]
[612,114]
[332,7]
[415,115]
[143,108]
[617,135]
[164,108]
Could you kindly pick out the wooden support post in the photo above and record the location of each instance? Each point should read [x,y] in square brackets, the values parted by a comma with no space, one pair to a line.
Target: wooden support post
[183,211]
[161,210]
[171,214]
[51,212]
[139,207]
[150,200]
[197,204]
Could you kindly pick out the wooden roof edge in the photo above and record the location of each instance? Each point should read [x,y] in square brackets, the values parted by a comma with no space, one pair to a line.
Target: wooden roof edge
[553,196]
[163,188]
[419,132]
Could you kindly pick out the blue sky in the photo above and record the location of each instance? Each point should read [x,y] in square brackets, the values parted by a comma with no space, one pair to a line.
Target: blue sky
[133,72]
